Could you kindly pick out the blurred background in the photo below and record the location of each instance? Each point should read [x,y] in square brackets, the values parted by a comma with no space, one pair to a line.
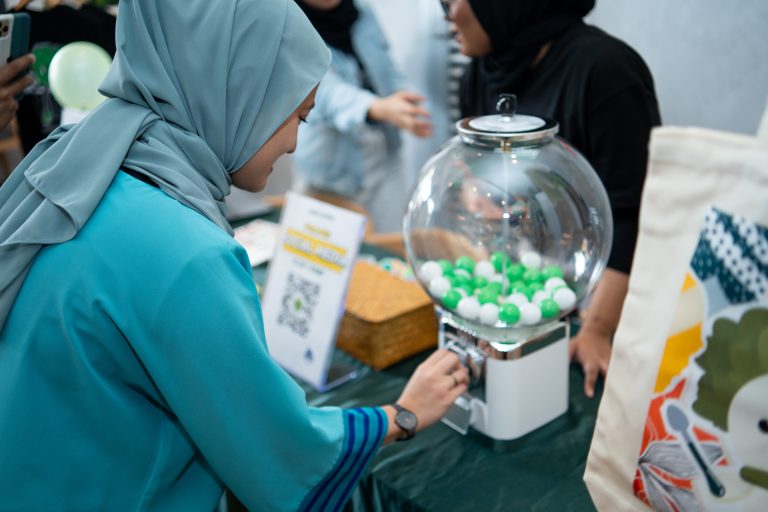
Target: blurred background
[707,58]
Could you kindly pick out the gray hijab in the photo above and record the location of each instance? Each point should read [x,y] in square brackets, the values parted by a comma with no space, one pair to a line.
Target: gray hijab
[195,89]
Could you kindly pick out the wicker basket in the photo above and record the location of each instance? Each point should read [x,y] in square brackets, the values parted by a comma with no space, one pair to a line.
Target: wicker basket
[386,319]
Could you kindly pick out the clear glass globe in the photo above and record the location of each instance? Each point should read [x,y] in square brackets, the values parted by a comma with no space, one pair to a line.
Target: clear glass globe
[510,235]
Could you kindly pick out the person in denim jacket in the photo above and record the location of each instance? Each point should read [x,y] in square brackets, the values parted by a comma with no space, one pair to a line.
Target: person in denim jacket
[349,146]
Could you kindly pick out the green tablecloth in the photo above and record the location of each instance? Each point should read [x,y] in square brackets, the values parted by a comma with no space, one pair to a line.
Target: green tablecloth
[441,470]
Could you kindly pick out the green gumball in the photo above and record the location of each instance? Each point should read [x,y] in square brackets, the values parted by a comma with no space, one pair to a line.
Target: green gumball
[515,272]
[460,280]
[499,260]
[451,299]
[495,286]
[549,308]
[509,314]
[446,265]
[466,263]
[467,287]
[488,296]
[531,276]
[518,287]
[551,271]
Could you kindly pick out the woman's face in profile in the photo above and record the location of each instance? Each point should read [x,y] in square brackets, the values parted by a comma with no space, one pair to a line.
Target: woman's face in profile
[472,38]
[253,175]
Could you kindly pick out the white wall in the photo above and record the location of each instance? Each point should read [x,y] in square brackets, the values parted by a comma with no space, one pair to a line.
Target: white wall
[709,57]
[418,39]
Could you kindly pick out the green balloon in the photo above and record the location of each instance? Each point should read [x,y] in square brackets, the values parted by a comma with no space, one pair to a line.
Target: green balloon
[75,73]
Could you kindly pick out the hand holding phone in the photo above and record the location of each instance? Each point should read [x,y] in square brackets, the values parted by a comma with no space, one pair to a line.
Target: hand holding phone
[14,64]
[11,86]
[14,36]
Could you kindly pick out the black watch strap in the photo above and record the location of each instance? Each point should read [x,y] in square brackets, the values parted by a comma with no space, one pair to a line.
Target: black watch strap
[406,420]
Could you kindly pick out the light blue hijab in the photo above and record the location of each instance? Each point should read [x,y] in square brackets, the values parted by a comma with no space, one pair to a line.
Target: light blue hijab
[196,88]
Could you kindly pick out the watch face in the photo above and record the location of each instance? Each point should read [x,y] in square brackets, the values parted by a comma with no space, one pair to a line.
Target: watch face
[406,420]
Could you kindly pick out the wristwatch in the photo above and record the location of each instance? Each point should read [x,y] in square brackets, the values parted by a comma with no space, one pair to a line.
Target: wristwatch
[406,420]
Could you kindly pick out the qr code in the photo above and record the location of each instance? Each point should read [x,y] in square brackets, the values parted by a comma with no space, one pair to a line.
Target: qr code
[298,303]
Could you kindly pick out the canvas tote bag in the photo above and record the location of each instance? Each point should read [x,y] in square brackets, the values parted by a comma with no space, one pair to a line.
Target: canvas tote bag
[683,422]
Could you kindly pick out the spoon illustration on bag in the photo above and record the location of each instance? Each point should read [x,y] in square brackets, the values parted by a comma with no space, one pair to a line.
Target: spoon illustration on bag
[679,422]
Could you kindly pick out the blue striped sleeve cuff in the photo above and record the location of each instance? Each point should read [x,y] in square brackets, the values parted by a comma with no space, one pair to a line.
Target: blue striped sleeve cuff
[364,431]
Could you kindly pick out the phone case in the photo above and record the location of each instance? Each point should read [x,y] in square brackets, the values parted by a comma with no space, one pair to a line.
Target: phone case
[14,36]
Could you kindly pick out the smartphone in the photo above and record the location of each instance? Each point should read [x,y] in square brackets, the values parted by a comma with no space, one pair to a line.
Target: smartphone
[14,36]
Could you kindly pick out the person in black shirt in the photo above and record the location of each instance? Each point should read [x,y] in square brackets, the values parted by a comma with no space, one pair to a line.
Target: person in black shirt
[601,93]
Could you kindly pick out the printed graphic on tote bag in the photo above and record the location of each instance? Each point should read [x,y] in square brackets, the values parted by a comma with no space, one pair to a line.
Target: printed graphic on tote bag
[705,443]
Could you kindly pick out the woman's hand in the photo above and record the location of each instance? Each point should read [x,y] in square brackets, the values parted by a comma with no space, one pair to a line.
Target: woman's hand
[402,109]
[431,390]
[592,344]
[10,86]
[593,351]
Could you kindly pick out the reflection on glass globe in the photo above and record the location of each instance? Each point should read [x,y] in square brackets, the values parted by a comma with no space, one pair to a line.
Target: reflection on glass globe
[75,73]
[508,236]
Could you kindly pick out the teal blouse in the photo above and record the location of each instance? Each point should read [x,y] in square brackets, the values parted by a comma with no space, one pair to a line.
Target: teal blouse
[134,375]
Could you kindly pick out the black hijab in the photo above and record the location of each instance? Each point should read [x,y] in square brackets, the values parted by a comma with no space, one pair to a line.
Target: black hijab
[517,29]
[334,25]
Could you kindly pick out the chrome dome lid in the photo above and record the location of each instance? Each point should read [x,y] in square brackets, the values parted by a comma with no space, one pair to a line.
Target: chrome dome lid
[506,128]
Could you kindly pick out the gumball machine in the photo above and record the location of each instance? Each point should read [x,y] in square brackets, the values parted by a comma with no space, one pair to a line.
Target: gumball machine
[508,229]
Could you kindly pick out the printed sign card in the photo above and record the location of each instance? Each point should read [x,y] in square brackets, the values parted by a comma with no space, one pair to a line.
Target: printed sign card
[306,287]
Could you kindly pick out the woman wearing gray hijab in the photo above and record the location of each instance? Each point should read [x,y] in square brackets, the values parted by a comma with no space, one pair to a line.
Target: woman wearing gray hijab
[134,372]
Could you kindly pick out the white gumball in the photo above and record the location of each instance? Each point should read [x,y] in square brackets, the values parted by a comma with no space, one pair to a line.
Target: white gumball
[461,291]
[468,308]
[530,314]
[539,296]
[439,286]
[531,259]
[553,283]
[565,298]
[430,270]
[484,269]
[518,299]
[489,314]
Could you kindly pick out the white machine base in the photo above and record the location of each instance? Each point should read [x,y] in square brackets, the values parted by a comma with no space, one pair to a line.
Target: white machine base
[518,394]
[524,394]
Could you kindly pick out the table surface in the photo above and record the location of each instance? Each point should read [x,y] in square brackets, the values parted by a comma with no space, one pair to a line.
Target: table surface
[441,470]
